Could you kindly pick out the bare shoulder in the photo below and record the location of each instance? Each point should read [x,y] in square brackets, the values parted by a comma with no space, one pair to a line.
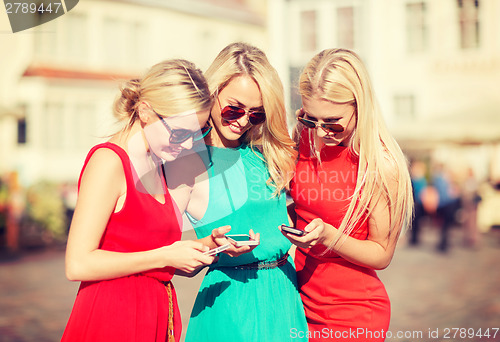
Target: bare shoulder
[106,161]
[104,169]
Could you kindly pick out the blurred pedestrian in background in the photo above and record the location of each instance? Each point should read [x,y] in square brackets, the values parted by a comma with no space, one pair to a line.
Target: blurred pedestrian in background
[419,183]
[448,204]
[470,201]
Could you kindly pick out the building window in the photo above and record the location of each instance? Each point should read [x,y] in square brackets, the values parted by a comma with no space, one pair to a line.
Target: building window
[309,32]
[46,40]
[404,106]
[74,37]
[63,41]
[345,29]
[468,16]
[122,42]
[54,128]
[416,27]
[21,131]
[137,31]
[83,123]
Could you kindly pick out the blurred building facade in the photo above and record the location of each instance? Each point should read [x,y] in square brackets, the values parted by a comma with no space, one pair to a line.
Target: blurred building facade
[58,80]
[435,66]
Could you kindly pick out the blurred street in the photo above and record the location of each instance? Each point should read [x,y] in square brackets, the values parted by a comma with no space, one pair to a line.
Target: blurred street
[431,293]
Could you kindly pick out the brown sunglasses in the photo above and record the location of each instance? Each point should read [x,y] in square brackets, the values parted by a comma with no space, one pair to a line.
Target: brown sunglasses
[326,126]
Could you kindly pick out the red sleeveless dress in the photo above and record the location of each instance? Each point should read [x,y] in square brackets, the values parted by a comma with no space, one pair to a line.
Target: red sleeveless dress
[342,301]
[137,307]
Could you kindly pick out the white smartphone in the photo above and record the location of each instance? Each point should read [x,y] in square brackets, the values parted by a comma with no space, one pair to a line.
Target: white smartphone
[217,250]
[240,240]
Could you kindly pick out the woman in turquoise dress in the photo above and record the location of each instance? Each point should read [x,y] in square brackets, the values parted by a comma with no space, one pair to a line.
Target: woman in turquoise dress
[239,180]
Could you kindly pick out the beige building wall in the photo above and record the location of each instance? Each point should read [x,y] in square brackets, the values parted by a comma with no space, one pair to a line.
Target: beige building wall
[439,98]
[62,77]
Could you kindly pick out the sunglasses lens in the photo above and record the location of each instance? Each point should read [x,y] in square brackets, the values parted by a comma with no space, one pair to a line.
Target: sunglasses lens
[230,113]
[307,123]
[179,136]
[202,134]
[256,118]
[333,128]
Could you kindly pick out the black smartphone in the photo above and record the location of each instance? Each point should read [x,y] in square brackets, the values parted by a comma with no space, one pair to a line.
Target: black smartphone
[293,230]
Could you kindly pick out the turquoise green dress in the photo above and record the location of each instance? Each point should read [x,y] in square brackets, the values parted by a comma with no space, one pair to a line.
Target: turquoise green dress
[239,304]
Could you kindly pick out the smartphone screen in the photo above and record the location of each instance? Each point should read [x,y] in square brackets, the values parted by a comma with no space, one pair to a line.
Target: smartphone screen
[239,238]
[242,240]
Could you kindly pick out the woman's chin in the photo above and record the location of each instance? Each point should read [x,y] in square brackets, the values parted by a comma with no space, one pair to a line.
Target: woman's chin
[331,142]
[232,135]
[169,155]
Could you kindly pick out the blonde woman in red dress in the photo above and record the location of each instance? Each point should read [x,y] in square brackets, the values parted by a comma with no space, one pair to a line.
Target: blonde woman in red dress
[352,195]
[123,243]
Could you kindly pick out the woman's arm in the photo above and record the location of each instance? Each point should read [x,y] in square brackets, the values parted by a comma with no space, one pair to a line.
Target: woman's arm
[376,252]
[102,187]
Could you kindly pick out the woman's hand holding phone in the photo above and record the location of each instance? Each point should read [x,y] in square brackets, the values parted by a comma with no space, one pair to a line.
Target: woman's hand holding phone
[219,236]
[313,234]
[186,256]
[236,250]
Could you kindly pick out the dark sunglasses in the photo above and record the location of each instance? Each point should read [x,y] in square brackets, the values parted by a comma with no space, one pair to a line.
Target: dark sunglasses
[326,126]
[232,113]
[178,136]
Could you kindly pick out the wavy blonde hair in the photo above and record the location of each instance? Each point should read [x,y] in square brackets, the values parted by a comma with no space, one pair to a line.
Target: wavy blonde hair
[239,59]
[339,76]
[170,87]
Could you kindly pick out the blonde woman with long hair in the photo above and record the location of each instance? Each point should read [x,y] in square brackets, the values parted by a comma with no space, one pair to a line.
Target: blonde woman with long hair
[352,195]
[123,243]
[250,294]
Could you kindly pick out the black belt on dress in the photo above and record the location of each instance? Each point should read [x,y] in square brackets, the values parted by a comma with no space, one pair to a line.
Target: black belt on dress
[261,264]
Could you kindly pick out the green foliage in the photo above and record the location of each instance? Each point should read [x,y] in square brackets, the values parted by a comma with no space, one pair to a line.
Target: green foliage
[45,207]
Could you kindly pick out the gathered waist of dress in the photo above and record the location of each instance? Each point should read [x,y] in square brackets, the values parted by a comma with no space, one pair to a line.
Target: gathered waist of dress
[128,280]
[258,265]
[161,274]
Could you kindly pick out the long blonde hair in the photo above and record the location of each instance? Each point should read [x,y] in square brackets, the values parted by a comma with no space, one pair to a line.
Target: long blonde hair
[339,76]
[170,87]
[239,59]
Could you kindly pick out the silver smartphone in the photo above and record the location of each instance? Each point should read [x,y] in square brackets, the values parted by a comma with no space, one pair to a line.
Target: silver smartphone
[240,240]
[217,250]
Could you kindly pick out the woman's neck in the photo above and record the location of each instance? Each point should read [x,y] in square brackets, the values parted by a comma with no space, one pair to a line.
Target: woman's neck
[143,161]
